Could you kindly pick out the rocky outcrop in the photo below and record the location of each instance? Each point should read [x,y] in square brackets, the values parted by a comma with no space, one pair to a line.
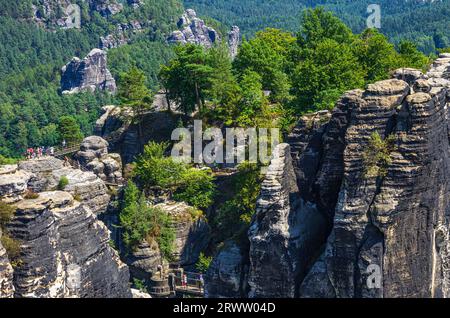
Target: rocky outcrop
[123,137]
[234,39]
[93,156]
[191,237]
[106,7]
[374,235]
[144,260]
[121,36]
[6,274]
[13,183]
[61,13]
[191,234]
[194,30]
[64,251]
[225,277]
[89,74]
[45,174]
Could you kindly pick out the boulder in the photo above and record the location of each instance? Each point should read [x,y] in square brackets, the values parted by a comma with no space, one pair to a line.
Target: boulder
[6,274]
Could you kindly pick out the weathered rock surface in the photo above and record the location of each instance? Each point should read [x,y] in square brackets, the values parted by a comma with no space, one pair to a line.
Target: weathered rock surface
[6,274]
[191,235]
[194,30]
[106,7]
[226,274]
[121,35]
[234,39]
[89,74]
[65,251]
[60,13]
[389,229]
[93,156]
[46,174]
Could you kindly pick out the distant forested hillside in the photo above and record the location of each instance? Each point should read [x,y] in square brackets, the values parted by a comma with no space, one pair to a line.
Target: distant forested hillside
[427,23]
[32,54]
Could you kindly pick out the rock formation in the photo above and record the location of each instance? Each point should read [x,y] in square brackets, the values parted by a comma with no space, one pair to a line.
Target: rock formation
[234,39]
[106,7]
[226,276]
[121,35]
[191,237]
[65,251]
[44,174]
[6,274]
[325,227]
[89,74]
[93,156]
[194,30]
[60,13]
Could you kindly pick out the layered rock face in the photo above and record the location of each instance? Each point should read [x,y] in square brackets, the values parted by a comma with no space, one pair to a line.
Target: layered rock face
[325,227]
[226,276]
[65,251]
[123,136]
[6,274]
[191,237]
[89,74]
[234,39]
[44,174]
[194,30]
[94,156]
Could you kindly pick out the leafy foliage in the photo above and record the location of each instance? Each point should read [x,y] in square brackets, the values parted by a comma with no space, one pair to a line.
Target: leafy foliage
[197,188]
[235,215]
[377,155]
[63,183]
[203,263]
[141,221]
[423,22]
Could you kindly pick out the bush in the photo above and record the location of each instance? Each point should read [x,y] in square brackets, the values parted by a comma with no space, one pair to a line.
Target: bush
[197,188]
[152,169]
[140,285]
[142,222]
[377,155]
[6,214]
[62,184]
[12,247]
[234,216]
[203,263]
[7,161]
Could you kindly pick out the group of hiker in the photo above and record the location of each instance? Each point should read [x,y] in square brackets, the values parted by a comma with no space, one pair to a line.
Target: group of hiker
[200,281]
[39,152]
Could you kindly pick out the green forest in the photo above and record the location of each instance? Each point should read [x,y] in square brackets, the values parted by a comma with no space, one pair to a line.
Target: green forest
[427,23]
[305,67]
[31,57]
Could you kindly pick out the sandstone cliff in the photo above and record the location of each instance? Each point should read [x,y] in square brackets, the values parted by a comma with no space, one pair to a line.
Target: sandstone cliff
[64,248]
[89,74]
[6,274]
[194,30]
[325,227]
